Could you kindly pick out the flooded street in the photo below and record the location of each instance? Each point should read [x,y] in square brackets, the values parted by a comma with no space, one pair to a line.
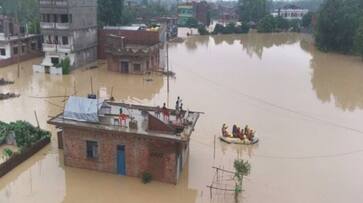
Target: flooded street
[306,106]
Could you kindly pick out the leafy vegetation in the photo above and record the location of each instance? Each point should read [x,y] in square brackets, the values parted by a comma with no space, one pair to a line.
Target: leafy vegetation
[27,12]
[25,133]
[146,177]
[242,168]
[110,12]
[266,24]
[231,28]
[337,26]
[307,18]
[202,30]
[65,64]
[8,152]
[358,40]
[252,10]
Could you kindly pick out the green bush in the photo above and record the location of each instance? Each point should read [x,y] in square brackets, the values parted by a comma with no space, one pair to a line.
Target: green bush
[8,152]
[146,177]
[26,134]
[202,30]
[65,64]
[266,24]
[4,131]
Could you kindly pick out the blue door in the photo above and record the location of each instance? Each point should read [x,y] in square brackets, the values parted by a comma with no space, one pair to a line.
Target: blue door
[121,165]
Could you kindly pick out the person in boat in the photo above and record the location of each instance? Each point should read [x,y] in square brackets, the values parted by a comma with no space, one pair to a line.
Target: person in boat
[238,132]
[122,118]
[225,133]
[247,129]
[165,111]
[234,130]
[241,135]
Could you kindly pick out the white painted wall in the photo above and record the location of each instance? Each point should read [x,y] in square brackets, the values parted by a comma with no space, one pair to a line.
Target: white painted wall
[7,49]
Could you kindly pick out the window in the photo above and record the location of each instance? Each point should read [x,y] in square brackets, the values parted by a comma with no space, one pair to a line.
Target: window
[2,52]
[15,50]
[65,40]
[92,149]
[23,49]
[33,45]
[137,67]
[64,18]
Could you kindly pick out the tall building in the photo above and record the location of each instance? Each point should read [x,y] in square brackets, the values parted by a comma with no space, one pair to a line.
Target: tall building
[15,42]
[193,10]
[69,28]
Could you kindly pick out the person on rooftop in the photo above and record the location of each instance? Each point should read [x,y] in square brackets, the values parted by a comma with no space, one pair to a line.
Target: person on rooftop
[165,111]
[177,103]
[123,118]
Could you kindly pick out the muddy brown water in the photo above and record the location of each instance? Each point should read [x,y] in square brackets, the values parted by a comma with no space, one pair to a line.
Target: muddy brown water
[306,106]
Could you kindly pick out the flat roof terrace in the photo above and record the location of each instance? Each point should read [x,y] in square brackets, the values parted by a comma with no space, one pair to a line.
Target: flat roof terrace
[178,130]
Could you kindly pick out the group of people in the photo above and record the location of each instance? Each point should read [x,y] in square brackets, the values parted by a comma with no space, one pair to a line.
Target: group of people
[237,132]
[179,111]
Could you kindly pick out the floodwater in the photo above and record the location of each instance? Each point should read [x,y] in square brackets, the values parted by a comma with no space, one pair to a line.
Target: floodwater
[306,106]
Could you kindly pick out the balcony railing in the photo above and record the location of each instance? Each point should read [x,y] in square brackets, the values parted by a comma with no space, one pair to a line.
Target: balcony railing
[53,3]
[62,26]
[64,48]
[49,47]
[47,25]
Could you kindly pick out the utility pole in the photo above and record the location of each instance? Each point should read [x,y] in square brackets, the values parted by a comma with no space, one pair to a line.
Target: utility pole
[167,71]
[18,34]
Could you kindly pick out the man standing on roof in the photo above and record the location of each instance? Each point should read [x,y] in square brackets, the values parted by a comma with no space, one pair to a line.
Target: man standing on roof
[123,118]
[177,103]
[165,112]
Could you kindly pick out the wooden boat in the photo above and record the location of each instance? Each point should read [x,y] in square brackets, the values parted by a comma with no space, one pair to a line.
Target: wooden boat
[232,140]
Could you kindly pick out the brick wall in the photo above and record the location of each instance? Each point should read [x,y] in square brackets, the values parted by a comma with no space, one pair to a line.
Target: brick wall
[131,37]
[142,154]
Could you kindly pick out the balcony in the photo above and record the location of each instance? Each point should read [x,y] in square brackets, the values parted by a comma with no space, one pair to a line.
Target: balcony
[62,26]
[46,25]
[64,48]
[49,47]
[53,3]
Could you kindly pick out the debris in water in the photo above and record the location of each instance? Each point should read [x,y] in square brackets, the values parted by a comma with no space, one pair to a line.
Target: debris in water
[8,96]
[5,82]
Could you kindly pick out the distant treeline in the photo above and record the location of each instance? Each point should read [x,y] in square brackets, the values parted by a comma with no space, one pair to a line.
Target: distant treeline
[340,27]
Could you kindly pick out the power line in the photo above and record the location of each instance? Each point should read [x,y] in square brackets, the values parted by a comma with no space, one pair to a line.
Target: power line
[254,98]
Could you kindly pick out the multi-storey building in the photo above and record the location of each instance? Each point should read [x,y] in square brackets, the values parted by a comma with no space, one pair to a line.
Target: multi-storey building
[69,29]
[291,12]
[193,10]
[15,43]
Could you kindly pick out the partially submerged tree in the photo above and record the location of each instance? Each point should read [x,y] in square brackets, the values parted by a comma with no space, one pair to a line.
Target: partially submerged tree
[242,168]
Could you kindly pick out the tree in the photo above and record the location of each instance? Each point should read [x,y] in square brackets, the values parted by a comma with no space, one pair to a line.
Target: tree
[110,12]
[230,28]
[358,40]
[281,23]
[337,25]
[266,24]
[252,10]
[26,11]
[218,29]
[307,18]
[242,168]
[202,30]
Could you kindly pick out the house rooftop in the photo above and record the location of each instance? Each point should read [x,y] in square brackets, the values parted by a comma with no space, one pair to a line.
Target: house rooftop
[149,124]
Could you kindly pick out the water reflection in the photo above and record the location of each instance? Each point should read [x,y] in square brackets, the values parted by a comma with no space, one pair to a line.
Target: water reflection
[123,189]
[336,78]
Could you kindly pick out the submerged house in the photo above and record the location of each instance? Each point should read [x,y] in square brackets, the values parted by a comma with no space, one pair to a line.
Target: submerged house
[132,49]
[94,138]
[15,43]
[69,29]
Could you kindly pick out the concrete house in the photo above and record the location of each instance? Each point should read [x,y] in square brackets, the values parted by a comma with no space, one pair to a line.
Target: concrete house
[15,43]
[69,28]
[196,10]
[132,49]
[93,137]
[291,12]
